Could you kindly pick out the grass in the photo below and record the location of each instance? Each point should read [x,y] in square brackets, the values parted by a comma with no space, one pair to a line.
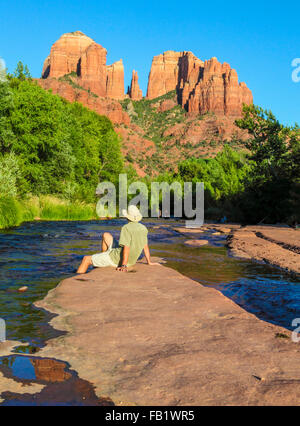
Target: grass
[13,212]
[52,208]
[10,212]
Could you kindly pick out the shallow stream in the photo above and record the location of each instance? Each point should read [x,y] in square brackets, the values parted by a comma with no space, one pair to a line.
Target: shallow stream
[40,254]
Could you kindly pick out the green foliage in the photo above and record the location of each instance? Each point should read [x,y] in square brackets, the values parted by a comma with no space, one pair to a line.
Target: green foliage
[222,176]
[14,212]
[270,186]
[260,185]
[10,212]
[7,137]
[62,148]
[9,175]
[22,72]
[50,146]
[54,209]
[145,114]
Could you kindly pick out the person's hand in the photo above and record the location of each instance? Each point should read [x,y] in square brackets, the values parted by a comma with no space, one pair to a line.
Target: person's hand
[122,268]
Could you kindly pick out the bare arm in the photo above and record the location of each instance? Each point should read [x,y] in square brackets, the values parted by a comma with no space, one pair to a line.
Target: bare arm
[125,257]
[148,257]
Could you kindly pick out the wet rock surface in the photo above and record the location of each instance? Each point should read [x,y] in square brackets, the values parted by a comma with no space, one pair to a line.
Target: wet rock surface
[270,244]
[153,336]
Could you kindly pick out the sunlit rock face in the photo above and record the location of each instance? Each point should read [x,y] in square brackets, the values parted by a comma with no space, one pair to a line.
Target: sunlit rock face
[76,69]
[201,86]
[134,90]
[78,54]
[103,106]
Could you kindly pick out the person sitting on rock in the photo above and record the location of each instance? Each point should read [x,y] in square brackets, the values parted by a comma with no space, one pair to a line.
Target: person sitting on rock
[133,240]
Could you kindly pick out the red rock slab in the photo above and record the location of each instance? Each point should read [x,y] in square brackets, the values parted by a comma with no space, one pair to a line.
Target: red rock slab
[287,237]
[155,337]
[246,244]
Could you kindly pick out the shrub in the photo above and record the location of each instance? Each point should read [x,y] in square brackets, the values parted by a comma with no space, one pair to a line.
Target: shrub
[10,212]
[9,175]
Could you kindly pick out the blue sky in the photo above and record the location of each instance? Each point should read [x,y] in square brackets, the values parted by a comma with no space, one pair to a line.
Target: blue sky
[259,38]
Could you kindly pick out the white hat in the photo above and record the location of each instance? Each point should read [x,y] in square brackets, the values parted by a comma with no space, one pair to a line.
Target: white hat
[133,214]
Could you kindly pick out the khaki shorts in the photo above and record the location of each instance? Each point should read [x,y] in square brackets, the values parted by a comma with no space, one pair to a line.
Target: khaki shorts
[102,260]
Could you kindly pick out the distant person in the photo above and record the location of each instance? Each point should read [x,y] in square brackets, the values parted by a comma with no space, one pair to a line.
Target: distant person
[133,240]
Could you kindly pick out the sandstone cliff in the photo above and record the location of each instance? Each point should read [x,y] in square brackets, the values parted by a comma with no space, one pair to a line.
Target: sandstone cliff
[201,86]
[78,54]
[115,80]
[193,116]
[74,93]
[65,54]
[134,90]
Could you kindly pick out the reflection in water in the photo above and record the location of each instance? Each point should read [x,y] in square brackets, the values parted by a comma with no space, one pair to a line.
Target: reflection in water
[62,385]
[38,255]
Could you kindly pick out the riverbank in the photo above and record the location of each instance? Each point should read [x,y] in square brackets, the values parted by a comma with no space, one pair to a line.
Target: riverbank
[274,245]
[278,246]
[159,338]
[13,212]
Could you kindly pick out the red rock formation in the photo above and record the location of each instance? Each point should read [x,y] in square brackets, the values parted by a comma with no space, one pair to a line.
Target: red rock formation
[115,80]
[134,90]
[104,106]
[163,76]
[218,91]
[201,86]
[77,53]
[166,105]
[92,69]
[65,54]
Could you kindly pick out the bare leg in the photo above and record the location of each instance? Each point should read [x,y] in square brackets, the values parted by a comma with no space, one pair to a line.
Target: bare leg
[107,240]
[86,262]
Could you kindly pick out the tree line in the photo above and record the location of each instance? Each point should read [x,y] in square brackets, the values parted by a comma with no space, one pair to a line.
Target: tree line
[49,146]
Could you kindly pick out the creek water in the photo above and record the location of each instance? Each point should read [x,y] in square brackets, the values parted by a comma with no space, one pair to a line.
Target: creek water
[40,254]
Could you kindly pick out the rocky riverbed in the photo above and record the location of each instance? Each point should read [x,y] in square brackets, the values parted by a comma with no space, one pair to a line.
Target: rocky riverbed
[278,246]
[155,337]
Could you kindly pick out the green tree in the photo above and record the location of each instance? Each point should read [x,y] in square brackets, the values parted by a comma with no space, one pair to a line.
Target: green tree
[9,175]
[6,107]
[62,148]
[22,72]
[272,147]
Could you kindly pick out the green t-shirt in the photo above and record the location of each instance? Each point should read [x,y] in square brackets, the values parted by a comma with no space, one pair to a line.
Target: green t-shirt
[135,236]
